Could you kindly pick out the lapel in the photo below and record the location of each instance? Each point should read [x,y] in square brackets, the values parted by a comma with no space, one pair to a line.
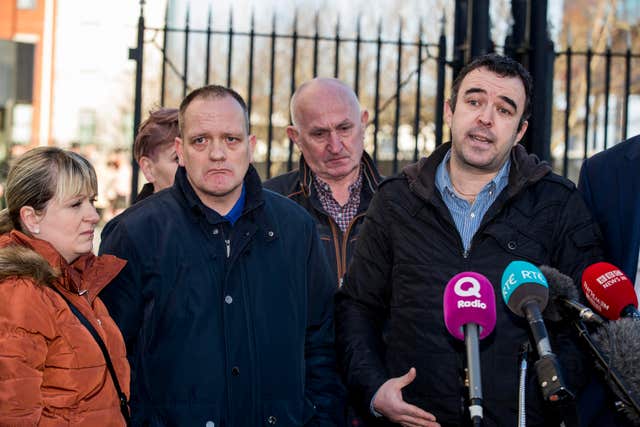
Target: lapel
[628,177]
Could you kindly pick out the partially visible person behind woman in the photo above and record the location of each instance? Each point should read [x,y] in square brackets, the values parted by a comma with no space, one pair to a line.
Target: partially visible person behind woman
[154,150]
[52,370]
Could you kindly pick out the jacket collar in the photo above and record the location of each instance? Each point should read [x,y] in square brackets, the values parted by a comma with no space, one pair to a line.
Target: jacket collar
[88,272]
[253,187]
[525,170]
[371,178]
[634,149]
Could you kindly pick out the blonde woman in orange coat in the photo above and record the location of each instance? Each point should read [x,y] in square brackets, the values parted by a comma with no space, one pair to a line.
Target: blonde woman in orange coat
[52,369]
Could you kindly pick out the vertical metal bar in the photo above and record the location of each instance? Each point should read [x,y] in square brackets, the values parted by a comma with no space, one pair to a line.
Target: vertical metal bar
[607,89]
[336,63]
[230,48]
[627,87]
[207,67]
[163,76]
[272,73]
[442,62]
[396,119]
[185,64]
[587,100]
[316,42]
[252,36]
[137,55]
[567,111]
[377,93]
[356,78]
[294,58]
[416,117]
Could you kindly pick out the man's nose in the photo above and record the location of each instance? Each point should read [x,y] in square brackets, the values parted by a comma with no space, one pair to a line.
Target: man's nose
[485,115]
[335,142]
[216,150]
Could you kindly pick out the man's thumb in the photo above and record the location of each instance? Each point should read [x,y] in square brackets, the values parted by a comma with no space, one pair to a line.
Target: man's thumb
[408,378]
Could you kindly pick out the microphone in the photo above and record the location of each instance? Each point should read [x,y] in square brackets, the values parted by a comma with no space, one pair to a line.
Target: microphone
[526,293]
[619,343]
[564,298]
[469,306]
[609,291]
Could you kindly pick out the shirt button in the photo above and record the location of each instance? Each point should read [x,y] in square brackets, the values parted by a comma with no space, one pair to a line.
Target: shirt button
[215,231]
[473,215]
[270,233]
[511,245]
[210,424]
[272,419]
[228,299]
[235,371]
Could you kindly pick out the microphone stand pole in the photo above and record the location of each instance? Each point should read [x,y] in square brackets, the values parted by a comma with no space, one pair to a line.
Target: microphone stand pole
[595,350]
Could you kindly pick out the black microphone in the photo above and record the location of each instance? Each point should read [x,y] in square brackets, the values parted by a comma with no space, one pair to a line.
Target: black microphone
[619,343]
[563,298]
[526,293]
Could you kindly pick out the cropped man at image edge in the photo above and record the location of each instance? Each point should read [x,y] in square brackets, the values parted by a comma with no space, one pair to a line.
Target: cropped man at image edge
[475,204]
[225,304]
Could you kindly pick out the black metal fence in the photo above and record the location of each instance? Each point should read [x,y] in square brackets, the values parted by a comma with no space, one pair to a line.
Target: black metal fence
[598,115]
[400,81]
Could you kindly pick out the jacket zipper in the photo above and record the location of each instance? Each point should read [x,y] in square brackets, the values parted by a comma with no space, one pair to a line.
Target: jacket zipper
[336,245]
[227,243]
[345,241]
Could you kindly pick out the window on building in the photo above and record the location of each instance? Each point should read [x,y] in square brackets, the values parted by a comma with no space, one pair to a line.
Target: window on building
[26,4]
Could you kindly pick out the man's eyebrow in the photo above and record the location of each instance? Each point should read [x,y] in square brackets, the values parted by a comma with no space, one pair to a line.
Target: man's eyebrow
[509,101]
[503,97]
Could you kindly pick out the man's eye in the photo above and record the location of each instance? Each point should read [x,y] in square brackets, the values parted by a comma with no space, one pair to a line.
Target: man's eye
[232,139]
[199,140]
[473,102]
[505,111]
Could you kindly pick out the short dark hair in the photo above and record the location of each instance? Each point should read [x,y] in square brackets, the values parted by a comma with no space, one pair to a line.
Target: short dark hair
[503,66]
[158,130]
[212,92]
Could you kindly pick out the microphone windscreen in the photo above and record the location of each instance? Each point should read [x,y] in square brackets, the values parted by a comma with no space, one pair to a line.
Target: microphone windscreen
[469,298]
[608,290]
[561,286]
[523,282]
[623,356]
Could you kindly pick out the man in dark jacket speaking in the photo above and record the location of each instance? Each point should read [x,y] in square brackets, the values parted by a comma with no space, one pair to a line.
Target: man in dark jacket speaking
[225,302]
[475,204]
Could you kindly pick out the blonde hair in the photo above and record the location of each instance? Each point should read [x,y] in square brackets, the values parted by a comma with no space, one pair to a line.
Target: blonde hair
[41,174]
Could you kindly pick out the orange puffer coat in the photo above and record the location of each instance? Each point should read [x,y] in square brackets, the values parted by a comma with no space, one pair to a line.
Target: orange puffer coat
[52,372]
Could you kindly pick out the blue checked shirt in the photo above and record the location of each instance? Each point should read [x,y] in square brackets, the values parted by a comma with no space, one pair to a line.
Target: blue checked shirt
[467,216]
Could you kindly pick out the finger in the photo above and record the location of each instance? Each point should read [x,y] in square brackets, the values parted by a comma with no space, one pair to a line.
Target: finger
[407,378]
[412,422]
[407,409]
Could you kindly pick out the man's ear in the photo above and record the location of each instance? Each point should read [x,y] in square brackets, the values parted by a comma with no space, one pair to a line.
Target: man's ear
[448,112]
[523,129]
[364,118]
[293,134]
[178,146]
[252,146]
[30,219]
[146,166]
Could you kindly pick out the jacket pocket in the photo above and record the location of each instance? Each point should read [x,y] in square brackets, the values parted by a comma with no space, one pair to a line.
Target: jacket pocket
[517,244]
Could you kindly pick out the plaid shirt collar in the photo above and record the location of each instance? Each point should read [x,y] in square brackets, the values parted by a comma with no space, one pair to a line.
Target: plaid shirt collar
[342,215]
